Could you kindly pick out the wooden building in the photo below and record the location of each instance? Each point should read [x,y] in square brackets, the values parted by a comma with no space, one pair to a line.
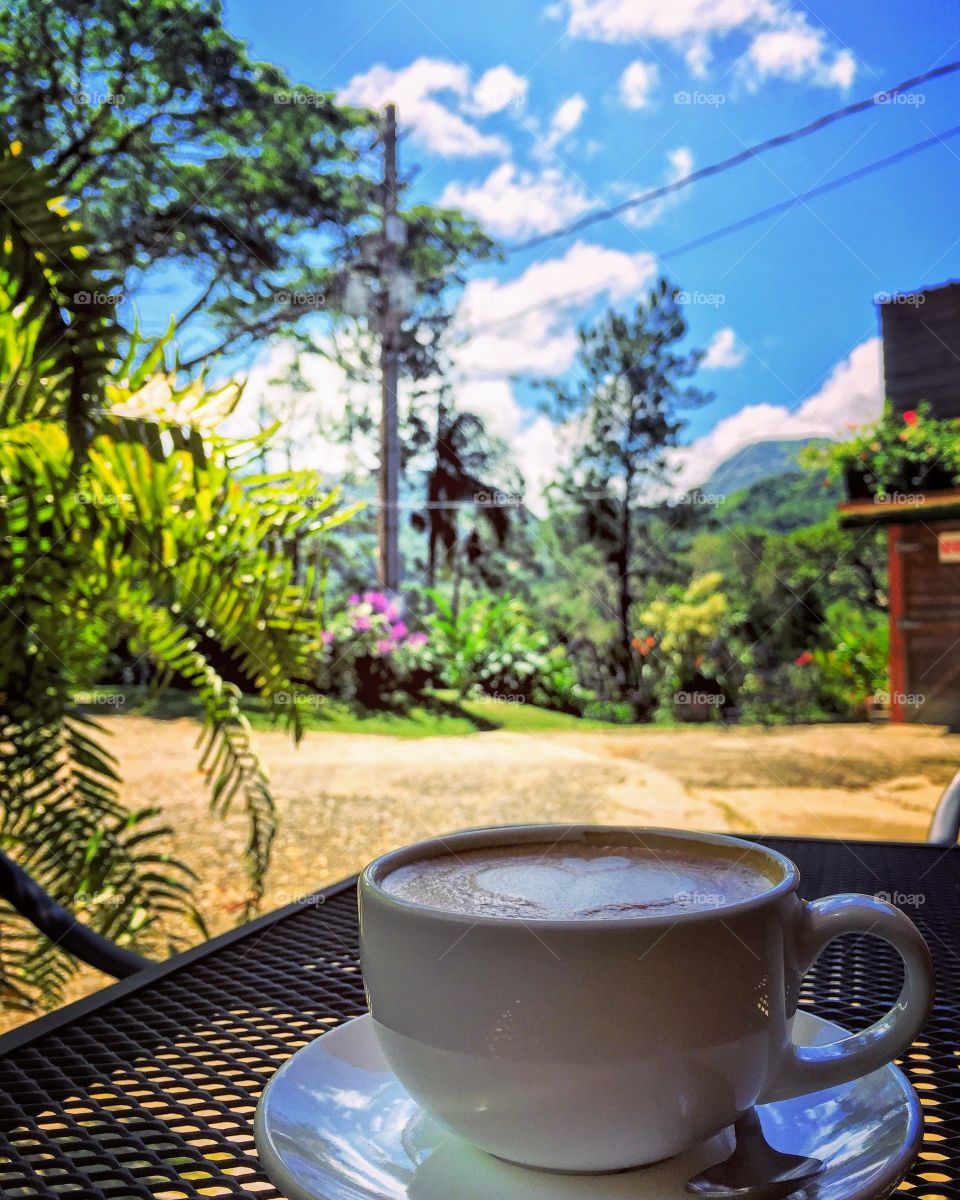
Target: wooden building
[921,363]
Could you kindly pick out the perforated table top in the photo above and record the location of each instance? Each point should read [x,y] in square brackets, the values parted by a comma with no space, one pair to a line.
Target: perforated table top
[148,1089]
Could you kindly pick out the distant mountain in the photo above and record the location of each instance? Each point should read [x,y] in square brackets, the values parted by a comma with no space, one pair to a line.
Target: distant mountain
[781,504]
[759,460]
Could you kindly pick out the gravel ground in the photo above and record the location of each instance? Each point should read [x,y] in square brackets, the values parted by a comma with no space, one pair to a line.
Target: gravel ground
[344,798]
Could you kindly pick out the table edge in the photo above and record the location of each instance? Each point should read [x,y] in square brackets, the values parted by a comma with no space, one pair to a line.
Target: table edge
[22,1035]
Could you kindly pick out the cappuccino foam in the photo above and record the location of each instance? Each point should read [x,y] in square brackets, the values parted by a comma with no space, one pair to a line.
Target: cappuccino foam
[574,882]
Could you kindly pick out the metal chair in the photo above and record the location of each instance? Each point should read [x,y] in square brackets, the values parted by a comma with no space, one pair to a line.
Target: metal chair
[945,826]
[61,927]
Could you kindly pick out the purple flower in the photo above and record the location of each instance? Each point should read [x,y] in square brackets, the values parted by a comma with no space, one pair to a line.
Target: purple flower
[417,639]
[361,624]
[354,599]
[391,612]
[384,646]
[327,636]
[399,630]
[377,601]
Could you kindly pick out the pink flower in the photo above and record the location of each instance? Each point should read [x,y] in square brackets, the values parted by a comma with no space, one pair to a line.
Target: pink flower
[354,599]
[327,636]
[399,630]
[384,646]
[361,624]
[417,639]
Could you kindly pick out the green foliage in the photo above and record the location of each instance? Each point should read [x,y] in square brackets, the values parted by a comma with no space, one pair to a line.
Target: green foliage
[681,640]
[628,387]
[853,663]
[184,148]
[902,453]
[495,647]
[787,502]
[126,522]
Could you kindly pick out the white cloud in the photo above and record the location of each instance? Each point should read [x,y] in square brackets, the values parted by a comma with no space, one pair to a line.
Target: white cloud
[568,116]
[784,43]
[300,443]
[515,202]
[416,90]
[851,395]
[496,89]
[528,324]
[799,53]
[724,351]
[637,82]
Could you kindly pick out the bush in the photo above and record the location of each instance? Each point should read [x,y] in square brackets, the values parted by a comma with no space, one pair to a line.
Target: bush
[494,647]
[369,657]
[902,453]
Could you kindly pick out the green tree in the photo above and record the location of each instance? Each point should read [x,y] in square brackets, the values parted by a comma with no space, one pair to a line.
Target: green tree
[126,523]
[628,386]
[187,151]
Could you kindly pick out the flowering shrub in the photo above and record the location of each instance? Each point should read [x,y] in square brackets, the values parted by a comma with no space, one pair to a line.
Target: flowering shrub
[494,647]
[370,656]
[901,453]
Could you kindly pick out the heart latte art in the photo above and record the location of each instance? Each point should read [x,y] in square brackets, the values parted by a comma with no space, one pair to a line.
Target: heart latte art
[569,882]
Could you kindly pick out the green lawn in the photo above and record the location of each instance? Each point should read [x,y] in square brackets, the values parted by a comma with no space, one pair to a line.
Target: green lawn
[440,714]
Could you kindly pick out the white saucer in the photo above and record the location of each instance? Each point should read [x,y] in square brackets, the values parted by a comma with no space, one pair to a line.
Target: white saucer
[335,1123]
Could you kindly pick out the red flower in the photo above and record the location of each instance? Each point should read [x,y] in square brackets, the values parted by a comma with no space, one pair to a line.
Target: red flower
[910,416]
[803,659]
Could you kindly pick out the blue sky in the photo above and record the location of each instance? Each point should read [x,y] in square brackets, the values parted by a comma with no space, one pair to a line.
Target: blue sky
[531,114]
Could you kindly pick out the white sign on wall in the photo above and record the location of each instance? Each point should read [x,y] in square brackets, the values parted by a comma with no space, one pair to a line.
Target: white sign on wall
[948,546]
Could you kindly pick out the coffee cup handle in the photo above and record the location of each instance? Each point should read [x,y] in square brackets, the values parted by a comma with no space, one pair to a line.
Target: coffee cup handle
[805,1069]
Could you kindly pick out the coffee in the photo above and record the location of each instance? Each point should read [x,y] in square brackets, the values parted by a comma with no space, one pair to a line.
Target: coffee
[574,882]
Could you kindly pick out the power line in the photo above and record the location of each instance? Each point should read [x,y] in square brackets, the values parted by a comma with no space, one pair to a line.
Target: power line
[813,193]
[753,219]
[781,139]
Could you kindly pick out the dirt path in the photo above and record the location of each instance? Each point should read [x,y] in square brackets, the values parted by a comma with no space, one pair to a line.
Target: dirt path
[344,798]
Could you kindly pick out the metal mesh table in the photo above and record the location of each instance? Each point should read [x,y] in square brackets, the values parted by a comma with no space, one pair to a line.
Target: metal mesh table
[148,1089]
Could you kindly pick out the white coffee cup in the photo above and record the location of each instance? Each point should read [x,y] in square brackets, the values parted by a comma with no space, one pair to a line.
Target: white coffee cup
[596,1045]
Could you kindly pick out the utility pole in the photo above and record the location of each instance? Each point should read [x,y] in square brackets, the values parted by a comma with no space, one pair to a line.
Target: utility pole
[390,317]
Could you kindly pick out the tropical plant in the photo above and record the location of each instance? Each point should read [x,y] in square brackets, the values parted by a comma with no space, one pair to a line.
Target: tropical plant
[127,523]
[493,646]
[370,656]
[902,453]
